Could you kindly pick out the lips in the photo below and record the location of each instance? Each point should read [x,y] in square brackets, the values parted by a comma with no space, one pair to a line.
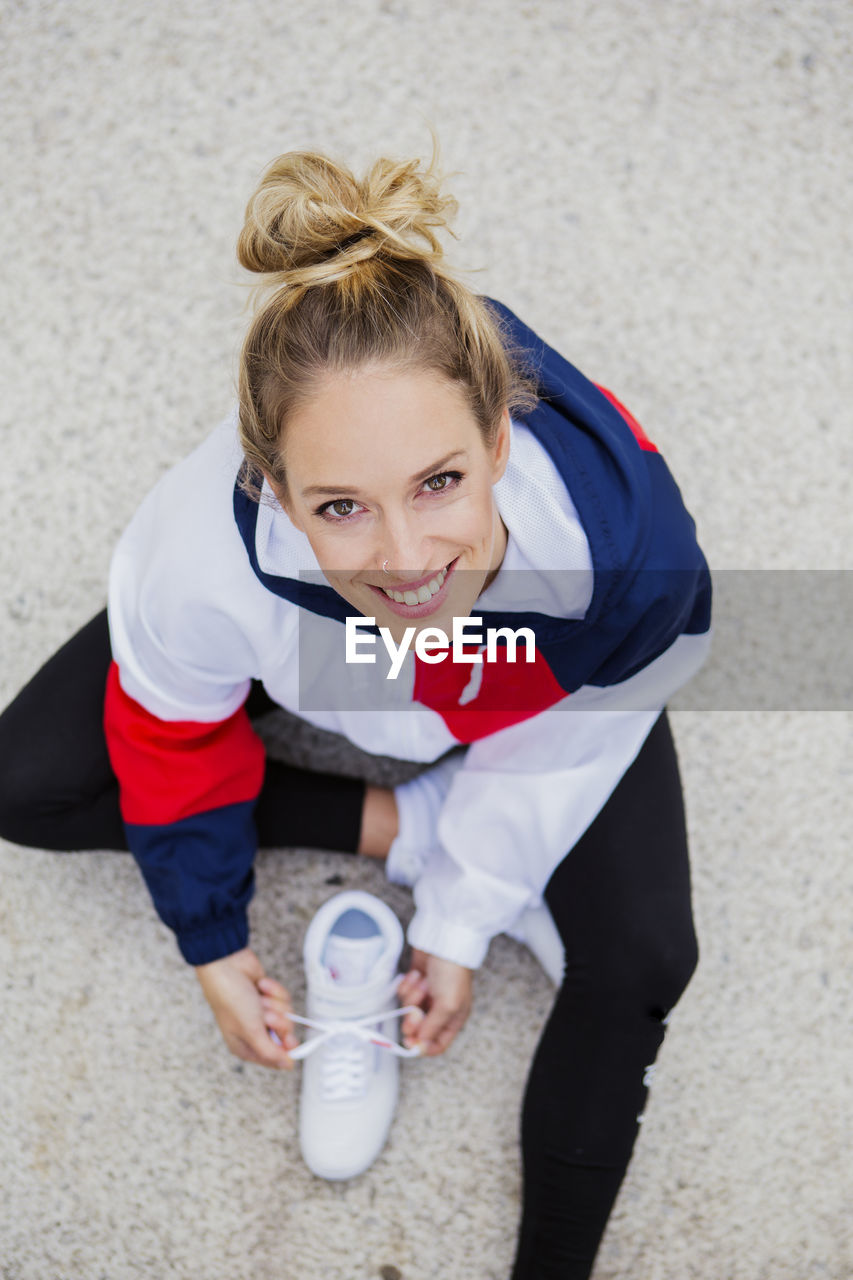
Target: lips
[417,593]
[420,598]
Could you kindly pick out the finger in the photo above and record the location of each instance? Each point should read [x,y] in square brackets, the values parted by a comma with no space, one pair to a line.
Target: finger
[410,1025]
[440,1043]
[443,1040]
[275,990]
[289,1042]
[256,1046]
[431,1026]
[275,1016]
[279,1023]
[263,1054]
[270,1054]
[278,1006]
[413,989]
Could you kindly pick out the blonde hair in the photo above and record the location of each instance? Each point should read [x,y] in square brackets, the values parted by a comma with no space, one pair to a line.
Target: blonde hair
[353,275]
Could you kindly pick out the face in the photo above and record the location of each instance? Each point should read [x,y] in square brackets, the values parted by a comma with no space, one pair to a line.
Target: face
[386,466]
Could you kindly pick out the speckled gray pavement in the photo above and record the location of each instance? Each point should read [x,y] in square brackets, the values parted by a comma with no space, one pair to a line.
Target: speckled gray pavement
[663,191]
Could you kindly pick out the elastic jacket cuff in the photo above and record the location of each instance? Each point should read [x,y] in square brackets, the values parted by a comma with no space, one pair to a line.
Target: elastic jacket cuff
[215,940]
[450,941]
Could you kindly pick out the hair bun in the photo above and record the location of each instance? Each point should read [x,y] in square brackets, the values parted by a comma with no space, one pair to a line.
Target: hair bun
[310,220]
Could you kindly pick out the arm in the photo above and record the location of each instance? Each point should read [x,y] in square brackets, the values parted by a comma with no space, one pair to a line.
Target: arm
[187,791]
[517,806]
[523,798]
[188,763]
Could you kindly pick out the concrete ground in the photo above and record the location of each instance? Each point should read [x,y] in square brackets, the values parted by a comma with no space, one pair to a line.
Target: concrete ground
[662,190]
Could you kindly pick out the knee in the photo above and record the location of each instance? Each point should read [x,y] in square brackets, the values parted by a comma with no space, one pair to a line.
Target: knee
[673,963]
[655,964]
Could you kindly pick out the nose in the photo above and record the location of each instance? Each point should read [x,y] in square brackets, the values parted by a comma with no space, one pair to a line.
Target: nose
[402,549]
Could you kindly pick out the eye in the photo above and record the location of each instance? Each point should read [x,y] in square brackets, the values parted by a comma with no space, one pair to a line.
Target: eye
[338,510]
[443,480]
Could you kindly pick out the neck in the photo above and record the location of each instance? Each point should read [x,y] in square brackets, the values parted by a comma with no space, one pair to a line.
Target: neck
[498,552]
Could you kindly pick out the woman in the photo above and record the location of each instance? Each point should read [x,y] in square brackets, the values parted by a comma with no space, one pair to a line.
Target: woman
[405,455]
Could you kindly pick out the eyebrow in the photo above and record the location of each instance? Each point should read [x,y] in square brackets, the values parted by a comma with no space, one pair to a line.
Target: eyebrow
[343,490]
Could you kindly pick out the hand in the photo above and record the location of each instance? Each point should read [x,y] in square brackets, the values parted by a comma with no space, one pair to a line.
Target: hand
[445,991]
[247,1006]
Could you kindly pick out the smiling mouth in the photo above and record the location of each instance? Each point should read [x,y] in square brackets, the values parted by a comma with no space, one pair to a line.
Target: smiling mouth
[420,599]
[423,593]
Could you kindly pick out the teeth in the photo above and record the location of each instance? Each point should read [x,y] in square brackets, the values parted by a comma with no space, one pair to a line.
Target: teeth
[424,593]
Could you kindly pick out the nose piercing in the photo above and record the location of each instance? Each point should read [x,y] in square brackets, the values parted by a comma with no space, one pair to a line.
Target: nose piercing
[384,566]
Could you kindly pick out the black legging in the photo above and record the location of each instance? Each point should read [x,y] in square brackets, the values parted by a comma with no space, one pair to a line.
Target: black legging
[620,900]
[58,790]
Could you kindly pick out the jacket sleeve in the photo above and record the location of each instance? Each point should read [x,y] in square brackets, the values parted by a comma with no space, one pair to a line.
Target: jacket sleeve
[524,797]
[187,791]
[188,763]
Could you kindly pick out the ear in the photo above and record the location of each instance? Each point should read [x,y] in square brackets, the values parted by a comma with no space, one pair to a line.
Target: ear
[500,448]
[283,499]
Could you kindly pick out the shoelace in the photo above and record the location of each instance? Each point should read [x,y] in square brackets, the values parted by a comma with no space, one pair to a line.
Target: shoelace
[363,1029]
[344,1071]
[345,1067]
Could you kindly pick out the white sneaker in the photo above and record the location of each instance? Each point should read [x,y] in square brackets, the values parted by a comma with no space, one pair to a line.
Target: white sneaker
[350,1076]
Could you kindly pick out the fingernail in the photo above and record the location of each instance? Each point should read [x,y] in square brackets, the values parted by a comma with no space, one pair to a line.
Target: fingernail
[274,1036]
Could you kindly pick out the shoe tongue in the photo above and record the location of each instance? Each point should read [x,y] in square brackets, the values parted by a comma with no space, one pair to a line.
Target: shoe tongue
[349,961]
